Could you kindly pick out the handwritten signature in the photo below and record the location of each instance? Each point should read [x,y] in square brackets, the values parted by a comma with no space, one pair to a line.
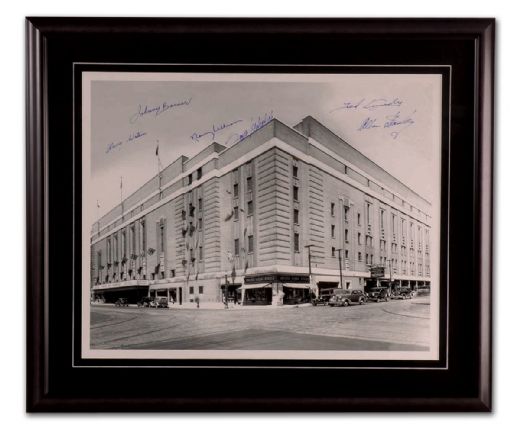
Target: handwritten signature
[391,121]
[255,125]
[371,105]
[157,110]
[215,128]
[131,138]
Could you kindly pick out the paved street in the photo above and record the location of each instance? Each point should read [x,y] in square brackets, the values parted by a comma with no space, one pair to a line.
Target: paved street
[400,325]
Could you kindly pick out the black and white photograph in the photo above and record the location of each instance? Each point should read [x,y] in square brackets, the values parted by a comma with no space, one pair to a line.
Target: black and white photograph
[261,215]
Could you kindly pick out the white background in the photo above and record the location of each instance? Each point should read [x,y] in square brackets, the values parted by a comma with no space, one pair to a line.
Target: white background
[12,237]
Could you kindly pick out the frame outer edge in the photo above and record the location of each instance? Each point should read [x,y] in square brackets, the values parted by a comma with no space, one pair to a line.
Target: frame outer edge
[486,172]
[35,341]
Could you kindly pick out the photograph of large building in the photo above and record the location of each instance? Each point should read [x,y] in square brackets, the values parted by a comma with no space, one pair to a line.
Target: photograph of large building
[274,219]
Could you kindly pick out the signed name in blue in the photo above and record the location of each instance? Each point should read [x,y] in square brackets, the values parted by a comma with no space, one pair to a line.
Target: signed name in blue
[395,121]
[131,138]
[156,110]
[215,128]
[255,124]
[370,104]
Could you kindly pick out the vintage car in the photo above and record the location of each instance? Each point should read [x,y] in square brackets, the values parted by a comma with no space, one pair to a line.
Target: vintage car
[162,302]
[146,302]
[402,293]
[347,297]
[121,302]
[323,298]
[378,294]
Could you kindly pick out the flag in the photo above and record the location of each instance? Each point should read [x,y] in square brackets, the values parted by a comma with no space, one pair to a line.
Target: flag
[157,151]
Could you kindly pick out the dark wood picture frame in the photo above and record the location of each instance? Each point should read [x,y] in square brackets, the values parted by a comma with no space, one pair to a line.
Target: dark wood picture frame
[57,381]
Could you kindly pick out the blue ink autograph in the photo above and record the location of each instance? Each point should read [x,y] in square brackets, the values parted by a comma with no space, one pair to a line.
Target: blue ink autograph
[131,138]
[155,111]
[393,120]
[371,105]
[254,126]
[215,128]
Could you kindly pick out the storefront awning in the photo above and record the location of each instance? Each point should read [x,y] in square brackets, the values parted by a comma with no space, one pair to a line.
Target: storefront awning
[303,286]
[254,286]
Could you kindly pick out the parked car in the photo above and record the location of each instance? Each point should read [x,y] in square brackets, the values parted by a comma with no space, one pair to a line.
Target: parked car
[355,296]
[403,293]
[121,302]
[145,302]
[347,297]
[162,302]
[324,297]
[378,294]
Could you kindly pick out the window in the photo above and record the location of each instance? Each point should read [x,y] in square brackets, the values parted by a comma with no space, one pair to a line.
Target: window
[295,171]
[116,248]
[359,238]
[368,213]
[295,193]
[191,290]
[358,219]
[371,259]
[332,230]
[333,252]
[235,213]
[132,236]
[235,190]
[296,216]
[192,257]
[296,242]
[250,244]
[192,209]
[250,207]
[200,223]
[172,273]
[237,247]
[366,258]
[123,244]
[382,245]
[249,182]
[109,251]
[200,205]
[368,240]
[345,212]
[161,237]
[143,235]
[190,179]
[359,256]
[332,207]
[201,289]
[201,253]
[199,173]
[346,235]
[346,254]
[183,215]
[382,219]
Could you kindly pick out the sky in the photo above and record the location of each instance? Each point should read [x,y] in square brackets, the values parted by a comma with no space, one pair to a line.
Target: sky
[393,119]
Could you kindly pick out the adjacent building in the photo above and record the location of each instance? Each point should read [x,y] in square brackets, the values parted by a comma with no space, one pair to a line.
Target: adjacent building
[249,223]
